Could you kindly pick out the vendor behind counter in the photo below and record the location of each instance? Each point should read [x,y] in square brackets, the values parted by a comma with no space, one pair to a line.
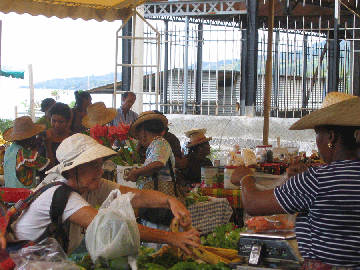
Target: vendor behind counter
[325,197]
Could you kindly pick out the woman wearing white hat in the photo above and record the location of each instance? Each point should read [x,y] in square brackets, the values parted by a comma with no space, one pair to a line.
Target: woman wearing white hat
[80,167]
[326,198]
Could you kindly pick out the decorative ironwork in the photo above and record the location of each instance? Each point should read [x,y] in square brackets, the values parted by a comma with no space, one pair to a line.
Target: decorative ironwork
[194,8]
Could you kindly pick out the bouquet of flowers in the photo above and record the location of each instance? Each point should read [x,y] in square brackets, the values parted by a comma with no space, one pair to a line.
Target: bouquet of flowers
[107,135]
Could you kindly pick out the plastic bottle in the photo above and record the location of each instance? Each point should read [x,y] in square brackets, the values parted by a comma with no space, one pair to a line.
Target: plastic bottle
[227,177]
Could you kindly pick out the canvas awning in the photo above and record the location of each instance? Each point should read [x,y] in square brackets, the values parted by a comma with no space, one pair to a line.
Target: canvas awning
[12,72]
[100,10]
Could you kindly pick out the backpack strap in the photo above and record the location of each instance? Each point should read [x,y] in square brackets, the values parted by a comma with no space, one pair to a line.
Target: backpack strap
[156,181]
[8,217]
[56,228]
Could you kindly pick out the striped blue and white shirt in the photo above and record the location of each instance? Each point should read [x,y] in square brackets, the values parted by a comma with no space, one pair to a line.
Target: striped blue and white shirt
[327,199]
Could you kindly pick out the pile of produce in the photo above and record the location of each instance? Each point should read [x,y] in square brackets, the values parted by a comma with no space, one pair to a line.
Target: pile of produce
[224,236]
[166,259]
[195,197]
[148,260]
[208,256]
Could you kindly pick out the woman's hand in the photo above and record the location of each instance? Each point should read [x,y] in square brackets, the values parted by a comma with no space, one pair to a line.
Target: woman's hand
[181,213]
[131,175]
[182,239]
[296,169]
[239,173]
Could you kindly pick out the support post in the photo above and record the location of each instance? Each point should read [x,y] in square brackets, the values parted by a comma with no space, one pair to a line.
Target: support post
[199,67]
[276,71]
[31,86]
[186,55]
[268,75]
[243,71]
[304,71]
[356,65]
[252,56]
[166,66]
[126,56]
[334,49]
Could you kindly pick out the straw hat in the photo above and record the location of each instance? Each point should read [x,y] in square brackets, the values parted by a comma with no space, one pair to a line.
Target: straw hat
[98,114]
[145,116]
[79,149]
[197,136]
[338,109]
[23,128]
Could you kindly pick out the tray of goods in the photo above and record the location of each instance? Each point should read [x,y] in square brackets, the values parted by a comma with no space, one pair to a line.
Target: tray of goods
[13,195]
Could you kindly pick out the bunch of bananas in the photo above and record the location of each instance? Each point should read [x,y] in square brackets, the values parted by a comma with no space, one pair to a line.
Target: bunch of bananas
[2,153]
[205,254]
[2,141]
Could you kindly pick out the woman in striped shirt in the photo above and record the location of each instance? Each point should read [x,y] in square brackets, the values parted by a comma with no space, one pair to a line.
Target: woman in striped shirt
[326,198]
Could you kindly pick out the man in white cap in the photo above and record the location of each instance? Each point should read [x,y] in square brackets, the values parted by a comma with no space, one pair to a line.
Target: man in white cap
[199,149]
[81,159]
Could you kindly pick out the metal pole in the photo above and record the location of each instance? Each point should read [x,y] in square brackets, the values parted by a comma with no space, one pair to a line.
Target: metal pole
[199,65]
[268,75]
[252,55]
[31,85]
[126,56]
[304,71]
[186,74]
[166,66]
[243,71]
[334,52]
[276,73]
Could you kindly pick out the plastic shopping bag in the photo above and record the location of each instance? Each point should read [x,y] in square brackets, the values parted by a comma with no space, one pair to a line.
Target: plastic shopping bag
[47,254]
[114,232]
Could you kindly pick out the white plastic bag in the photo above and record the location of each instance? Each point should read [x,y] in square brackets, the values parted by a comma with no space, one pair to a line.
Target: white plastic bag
[114,232]
[47,254]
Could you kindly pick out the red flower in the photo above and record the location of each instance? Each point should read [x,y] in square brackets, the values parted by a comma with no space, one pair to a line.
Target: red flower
[99,140]
[119,132]
[98,131]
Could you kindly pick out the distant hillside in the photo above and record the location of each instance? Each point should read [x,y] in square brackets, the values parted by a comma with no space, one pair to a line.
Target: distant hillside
[77,83]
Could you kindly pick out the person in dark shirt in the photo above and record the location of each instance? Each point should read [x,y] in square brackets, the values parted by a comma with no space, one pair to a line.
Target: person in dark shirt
[45,107]
[199,149]
[60,115]
[82,101]
[325,198]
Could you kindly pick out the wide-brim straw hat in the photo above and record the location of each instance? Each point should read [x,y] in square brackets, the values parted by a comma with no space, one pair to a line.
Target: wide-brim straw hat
[22,129]
[98,114]
[145,116]
[79,149]
[337,109]
[197,136]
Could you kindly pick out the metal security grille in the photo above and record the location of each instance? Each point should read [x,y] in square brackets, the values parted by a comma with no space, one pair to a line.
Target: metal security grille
[301,60]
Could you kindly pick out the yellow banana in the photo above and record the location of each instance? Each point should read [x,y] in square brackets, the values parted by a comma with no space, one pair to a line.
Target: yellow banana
[229,254]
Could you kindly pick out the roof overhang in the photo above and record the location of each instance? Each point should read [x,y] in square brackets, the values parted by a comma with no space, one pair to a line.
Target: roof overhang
[99,10]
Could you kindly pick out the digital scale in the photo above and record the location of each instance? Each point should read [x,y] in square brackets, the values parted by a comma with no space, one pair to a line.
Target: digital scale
[268,250]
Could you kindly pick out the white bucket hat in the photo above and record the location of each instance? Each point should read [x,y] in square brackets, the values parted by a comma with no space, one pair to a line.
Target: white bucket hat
[79,149]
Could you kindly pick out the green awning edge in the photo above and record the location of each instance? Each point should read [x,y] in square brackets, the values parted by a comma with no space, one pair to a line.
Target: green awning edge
[12,72]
